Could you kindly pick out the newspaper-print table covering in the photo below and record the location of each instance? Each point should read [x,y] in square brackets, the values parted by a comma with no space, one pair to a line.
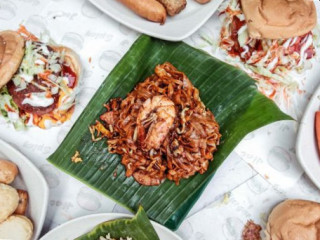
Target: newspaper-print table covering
[251,172]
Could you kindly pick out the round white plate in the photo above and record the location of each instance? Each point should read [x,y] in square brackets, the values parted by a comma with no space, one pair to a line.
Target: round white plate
[79,226]
[306,148]
[31,180]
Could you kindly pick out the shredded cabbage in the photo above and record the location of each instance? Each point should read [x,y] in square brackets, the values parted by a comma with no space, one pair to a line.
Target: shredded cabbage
[9,110]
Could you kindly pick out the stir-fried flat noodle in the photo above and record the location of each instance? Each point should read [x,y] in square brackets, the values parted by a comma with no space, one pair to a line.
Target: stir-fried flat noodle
[161,129]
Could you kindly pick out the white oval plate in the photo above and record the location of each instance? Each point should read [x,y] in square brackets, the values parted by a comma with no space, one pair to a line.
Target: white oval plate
[306,148]
[79,226]
[31,180]
[176,28]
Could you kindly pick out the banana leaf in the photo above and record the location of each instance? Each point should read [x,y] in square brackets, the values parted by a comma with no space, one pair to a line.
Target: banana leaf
[138,228]
[227,91]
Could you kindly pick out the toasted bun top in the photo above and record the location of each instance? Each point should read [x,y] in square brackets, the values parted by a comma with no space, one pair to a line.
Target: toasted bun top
[11,54]
[279,19]
[294,220]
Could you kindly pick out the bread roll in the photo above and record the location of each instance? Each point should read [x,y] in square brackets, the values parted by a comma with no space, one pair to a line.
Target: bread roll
[16,227]
[279,19]
[8,171]
[9,200]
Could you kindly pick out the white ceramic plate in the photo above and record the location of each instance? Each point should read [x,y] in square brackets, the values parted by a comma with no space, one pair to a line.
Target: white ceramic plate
[31,180]
[176,28]
[306,148]
[77,227]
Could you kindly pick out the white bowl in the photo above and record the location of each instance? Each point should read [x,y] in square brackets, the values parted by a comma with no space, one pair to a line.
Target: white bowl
[31,180]
[306,148]
[176,28]
[79,226]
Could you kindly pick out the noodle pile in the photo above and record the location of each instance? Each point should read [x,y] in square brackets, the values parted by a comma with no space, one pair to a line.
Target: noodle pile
[161,129]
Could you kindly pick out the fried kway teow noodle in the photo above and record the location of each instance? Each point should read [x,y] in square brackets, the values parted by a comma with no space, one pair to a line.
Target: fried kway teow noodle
[161,129]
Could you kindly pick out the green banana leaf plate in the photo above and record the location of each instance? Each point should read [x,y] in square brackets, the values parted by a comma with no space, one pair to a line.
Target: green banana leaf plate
[227,91]
[139,227]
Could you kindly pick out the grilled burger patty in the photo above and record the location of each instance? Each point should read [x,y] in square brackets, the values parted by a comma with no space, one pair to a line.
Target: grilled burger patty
[19,96]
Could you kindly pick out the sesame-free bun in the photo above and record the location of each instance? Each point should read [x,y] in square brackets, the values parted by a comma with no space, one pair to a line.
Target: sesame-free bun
[16,227]
[279,19]
[294,220]
[9,200]
[11,54]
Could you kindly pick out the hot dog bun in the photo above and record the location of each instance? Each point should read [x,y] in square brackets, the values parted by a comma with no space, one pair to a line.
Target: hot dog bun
[279,19]
[11,54]
[149,9]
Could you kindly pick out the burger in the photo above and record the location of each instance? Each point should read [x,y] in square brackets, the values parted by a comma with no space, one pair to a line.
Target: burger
[294,220]
[271,38]
[38,80]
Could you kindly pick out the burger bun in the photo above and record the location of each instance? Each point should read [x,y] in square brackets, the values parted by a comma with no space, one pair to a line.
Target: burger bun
[294,220]
[11,54]
[279,19]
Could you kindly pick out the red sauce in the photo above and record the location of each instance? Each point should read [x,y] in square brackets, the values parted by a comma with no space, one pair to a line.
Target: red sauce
[72,77]
[235,26]
[310,52]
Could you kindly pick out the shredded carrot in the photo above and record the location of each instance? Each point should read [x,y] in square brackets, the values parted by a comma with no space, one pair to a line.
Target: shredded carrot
[48,95]
[45,75]
[8,108]
[44,60]
[26,34]
[271,96]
